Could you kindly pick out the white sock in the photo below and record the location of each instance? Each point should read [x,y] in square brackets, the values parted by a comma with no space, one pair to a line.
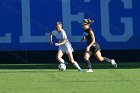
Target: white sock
[62,61]
[77,65]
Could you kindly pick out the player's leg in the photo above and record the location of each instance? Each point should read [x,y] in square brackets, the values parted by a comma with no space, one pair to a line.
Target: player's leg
[70,56]
[88,64]
[99,57]
[59,56]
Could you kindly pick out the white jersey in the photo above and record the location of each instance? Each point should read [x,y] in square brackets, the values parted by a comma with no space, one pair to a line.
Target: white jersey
[60,37]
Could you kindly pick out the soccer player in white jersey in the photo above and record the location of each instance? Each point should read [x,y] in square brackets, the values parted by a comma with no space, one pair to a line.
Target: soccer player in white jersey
[64,45]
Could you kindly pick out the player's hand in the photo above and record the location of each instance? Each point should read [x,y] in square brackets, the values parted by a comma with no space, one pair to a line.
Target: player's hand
[88,48]
[51,43]
[56,44]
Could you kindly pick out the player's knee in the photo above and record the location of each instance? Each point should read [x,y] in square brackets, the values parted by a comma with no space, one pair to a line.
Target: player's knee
[86,58]
[101,59]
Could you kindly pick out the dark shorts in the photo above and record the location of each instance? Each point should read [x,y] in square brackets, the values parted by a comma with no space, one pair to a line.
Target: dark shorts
[95,48]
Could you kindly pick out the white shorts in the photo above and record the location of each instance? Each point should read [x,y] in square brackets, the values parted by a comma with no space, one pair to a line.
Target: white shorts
[66,48]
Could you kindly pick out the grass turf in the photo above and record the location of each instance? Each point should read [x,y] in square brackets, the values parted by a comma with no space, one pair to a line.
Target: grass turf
[43,80]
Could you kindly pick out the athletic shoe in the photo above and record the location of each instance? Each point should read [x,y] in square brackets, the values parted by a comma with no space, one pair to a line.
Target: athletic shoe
[114,63]
[89,70]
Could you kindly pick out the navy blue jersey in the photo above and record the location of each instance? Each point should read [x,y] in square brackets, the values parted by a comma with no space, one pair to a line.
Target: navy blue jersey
[96,46]
[88,37]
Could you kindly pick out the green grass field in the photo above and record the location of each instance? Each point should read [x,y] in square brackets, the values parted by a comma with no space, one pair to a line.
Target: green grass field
[39,78]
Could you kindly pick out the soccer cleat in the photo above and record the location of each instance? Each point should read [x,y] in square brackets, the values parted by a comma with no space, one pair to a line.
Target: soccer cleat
[89,70]
[114,63]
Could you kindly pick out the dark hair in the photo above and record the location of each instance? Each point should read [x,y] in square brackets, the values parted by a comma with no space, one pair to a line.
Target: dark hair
[87,21]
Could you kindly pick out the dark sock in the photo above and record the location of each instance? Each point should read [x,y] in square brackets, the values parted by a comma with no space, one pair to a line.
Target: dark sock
[107,59]
[88,64]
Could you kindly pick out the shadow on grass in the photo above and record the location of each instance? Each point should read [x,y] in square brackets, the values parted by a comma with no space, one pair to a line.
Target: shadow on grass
[123,65]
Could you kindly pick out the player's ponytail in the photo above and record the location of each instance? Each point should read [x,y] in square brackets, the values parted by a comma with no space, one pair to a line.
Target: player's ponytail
[90,21]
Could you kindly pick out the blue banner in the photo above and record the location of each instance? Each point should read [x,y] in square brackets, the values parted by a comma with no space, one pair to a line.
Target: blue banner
[26,24]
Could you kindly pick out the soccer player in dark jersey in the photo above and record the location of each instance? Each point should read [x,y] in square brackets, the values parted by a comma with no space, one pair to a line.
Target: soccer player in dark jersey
[93,47]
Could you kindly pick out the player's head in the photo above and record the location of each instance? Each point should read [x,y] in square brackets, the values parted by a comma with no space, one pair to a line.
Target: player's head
[59,26]
[86,23]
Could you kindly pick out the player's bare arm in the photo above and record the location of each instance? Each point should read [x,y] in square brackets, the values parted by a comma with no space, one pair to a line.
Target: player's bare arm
[51,42]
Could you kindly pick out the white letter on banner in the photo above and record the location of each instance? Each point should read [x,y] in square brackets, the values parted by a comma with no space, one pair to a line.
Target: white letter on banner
[68,18]
[26,26]
[128,23]
[6,38]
